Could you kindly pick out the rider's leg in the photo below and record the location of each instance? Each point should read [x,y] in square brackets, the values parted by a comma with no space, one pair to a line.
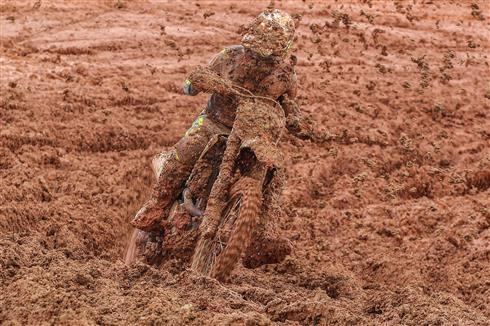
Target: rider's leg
[172,170]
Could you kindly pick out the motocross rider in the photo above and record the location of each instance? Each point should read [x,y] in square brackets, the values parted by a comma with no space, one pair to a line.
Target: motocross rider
[262,65]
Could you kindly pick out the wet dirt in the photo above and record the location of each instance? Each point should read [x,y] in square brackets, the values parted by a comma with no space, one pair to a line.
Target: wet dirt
[388,215]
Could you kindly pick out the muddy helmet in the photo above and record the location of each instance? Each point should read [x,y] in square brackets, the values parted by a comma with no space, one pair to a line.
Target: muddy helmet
[270,34]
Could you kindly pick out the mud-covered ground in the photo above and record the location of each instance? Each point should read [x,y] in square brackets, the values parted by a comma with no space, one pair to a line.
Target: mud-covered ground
[389,216]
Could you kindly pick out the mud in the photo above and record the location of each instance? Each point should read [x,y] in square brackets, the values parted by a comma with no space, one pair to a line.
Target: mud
[388,215]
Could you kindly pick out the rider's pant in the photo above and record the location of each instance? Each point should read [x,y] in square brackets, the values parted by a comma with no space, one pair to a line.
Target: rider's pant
[172,169]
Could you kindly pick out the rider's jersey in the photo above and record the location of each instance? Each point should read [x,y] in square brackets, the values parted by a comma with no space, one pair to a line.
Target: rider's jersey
[261,76]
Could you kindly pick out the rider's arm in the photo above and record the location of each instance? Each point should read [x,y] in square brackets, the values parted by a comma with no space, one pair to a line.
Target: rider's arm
[215,65]
[296,123]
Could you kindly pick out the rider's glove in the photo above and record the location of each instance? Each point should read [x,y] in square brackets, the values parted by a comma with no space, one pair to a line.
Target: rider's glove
[188,89]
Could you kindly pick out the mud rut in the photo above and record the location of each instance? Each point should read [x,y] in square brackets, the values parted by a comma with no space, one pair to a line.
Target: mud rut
[389,217]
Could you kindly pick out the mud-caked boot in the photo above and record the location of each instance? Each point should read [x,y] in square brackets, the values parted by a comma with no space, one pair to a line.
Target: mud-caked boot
[149,215]
[154,210]
[171,172]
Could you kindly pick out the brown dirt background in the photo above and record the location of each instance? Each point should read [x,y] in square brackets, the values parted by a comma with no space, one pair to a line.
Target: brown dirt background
[389,217]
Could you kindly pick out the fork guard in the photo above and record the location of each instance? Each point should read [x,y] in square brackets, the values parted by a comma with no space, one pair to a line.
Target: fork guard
[264,151]
[259,125]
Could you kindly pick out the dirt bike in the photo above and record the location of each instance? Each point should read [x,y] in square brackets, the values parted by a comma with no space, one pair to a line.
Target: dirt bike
[235,184]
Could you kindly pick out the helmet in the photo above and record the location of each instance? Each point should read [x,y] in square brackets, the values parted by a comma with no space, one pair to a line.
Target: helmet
[270,34]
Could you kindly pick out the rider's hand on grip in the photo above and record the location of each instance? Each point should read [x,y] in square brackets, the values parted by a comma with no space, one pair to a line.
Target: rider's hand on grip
[206,80]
